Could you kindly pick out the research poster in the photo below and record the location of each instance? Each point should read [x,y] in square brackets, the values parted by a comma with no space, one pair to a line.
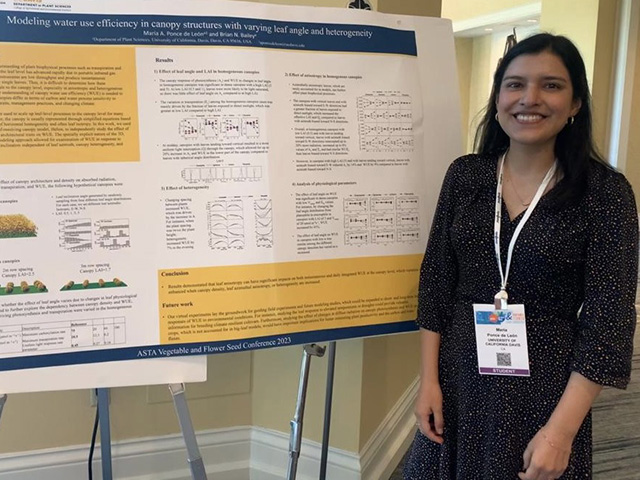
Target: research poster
[205,177]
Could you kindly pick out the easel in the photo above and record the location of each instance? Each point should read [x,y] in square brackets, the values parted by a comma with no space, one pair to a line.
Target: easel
[196,464]
[295,439]
[194,459]
[296,424]
[105,433]
[3,400]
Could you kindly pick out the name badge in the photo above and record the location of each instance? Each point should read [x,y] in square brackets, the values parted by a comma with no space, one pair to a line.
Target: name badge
[501,340]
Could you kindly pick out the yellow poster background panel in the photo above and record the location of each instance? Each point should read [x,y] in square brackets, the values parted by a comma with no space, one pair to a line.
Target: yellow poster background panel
[68,104]
[236,302]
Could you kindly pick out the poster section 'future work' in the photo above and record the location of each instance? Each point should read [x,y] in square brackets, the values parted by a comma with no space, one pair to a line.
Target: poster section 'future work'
[208,181]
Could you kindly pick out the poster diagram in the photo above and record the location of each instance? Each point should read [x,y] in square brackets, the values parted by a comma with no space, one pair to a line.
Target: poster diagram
[385,123]
[13,289]
[77,235]
[16,226]
[220,128]
[88,285]
[264,222]
[381,219]
[113,234]
[205,174]
[225,221]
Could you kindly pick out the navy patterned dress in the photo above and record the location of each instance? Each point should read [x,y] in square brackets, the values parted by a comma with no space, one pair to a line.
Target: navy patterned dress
[567,256]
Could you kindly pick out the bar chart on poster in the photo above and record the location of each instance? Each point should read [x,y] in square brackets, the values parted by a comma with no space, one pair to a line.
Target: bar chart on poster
[212,177]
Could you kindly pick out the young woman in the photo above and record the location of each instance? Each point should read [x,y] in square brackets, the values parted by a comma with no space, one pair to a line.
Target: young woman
[537,225]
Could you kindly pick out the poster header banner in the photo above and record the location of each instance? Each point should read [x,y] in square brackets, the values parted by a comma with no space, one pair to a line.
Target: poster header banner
[84,29]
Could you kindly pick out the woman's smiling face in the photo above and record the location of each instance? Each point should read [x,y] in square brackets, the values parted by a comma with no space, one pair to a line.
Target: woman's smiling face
[535,100]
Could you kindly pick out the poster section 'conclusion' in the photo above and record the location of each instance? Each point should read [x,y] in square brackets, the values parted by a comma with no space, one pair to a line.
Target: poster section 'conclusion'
[261,185]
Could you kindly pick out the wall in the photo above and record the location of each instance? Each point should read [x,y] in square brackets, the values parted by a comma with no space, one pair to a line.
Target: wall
[477,56]
[633,152]
[427,8]
[581,29]
[602,85]
[592,28]
[481,72]
[275,385]
[464,59]
[390,364]
[465,9]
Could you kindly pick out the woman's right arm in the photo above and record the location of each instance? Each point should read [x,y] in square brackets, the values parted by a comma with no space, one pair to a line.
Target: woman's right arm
[437,284]
[429,401]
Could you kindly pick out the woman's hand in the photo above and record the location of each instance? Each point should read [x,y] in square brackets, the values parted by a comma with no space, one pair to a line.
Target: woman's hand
[546,456]
[428,411]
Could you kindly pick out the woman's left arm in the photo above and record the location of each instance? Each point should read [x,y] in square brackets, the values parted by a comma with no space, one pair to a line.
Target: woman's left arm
[547,454]
[604,345]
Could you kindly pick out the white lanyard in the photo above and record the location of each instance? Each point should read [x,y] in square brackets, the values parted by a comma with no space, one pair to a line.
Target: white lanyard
[502,297]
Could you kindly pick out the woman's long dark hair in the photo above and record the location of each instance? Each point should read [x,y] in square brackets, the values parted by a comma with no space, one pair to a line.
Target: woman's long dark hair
[574,144]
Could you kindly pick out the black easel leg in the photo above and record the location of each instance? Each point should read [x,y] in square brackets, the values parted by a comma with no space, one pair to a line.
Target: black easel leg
[105,433]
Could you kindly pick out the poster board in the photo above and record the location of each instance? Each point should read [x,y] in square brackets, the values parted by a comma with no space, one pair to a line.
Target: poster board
[198,178]
[126,373]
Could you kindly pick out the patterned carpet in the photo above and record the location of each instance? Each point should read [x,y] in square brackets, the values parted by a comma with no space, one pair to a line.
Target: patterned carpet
[616,429]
